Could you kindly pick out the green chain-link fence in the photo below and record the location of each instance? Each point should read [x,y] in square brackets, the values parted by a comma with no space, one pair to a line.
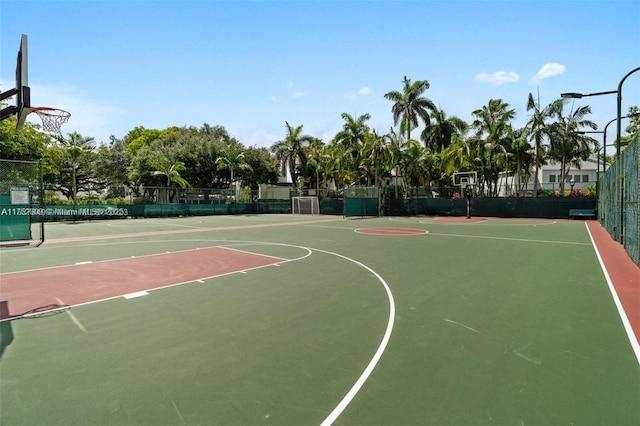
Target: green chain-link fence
[618,201]
[21,194]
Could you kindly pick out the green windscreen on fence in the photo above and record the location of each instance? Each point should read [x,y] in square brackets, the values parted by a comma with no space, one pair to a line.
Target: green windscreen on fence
[21,201]
[361,201]
[618,201]
[13,225]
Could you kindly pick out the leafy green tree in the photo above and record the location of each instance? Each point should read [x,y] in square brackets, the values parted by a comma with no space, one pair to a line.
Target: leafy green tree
[139,137]
[409,106]
[261,168]
[289,152]
[26,144]
[199,152]
[112,164]
[29,144]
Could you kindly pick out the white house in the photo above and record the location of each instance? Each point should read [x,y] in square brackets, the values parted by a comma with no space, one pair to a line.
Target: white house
[549,177]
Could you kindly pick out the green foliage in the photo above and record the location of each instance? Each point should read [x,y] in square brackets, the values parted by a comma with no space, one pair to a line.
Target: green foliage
[588,191]
[245,195]
[209,157]
[27,144]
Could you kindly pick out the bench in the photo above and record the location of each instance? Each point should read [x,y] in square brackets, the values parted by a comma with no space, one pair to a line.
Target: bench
[590,213]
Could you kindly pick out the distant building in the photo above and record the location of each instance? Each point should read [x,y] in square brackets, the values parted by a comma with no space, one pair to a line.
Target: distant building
[549,177]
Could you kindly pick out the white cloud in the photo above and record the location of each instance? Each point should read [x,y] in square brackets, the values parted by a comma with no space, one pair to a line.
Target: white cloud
[260,138]
[498,78]
[298,94]
[548,71]
[290,84]
[273,98]
[365,91]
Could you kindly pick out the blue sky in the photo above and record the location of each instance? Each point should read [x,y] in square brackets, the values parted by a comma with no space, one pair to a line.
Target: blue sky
[252,65]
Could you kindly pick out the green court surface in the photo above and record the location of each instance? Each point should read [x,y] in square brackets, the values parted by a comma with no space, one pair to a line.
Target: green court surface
[498,322]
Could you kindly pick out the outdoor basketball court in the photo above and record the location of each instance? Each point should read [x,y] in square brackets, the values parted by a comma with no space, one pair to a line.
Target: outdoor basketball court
[308,320]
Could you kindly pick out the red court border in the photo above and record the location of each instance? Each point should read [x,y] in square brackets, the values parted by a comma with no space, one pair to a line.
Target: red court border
[624,275]
[48,289]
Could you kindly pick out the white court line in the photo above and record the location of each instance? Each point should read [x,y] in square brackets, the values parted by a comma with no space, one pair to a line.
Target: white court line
[623,316]
[376,356]
[525,240]
[353,391]
[136,294]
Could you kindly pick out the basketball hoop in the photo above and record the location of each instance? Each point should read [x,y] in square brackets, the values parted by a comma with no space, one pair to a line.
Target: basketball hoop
[52,118]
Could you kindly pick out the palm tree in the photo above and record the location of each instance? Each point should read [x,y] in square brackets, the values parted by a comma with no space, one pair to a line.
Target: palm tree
[569,145]
[409,106]
[522,157]
[289,152]
[538,131]
[375,153]
[415,163]
[491,124]
[340,165]
[317,160]
[232,160]
[75,148]
[171,170]
[438,135]
[353,133]
[395,142]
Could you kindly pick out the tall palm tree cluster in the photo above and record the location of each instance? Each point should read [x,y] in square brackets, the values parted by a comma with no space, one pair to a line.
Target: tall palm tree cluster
[208,157]
[490,145]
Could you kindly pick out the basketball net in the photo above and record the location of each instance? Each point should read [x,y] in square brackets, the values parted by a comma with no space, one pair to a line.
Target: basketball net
[52,118]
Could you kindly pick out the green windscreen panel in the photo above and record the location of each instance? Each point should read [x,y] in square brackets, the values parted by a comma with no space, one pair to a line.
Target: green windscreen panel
[15,220]
[21,200]
[361,201]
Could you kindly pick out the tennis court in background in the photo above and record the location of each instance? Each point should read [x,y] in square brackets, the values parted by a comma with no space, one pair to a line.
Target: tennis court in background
[309,320]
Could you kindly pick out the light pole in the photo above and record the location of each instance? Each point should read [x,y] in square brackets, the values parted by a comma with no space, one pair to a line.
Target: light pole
[574,95]
[618,135]
[620,108]
[604,144]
